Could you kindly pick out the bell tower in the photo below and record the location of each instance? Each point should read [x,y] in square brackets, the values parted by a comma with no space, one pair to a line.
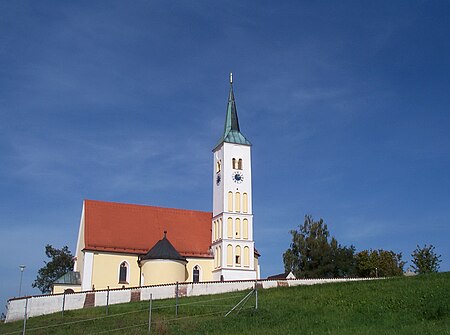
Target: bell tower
[232,222]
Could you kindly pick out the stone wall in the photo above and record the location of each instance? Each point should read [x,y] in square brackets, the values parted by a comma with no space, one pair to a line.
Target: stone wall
[47,304]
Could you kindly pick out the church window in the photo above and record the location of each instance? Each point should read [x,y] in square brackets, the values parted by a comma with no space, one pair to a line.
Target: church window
[238,202]
[196,274]
[229,255]
[123,272]
[215,230]
[215,259]
[239,164]
[220,228]
[237,228]
[245,202]
[246,256]
[219,257]
[234,164]
[230,228]
[245,229]
[238,256]
[230,201]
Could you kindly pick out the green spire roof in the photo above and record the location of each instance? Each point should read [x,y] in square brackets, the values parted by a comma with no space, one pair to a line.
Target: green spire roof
[231,132]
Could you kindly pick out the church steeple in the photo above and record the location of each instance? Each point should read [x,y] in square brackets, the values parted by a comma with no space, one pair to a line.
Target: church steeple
[232,241]
[231,132]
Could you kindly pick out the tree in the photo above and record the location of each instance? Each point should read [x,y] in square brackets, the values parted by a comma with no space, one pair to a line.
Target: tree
[425,259]
[312,255]
[379,263]
[61,262]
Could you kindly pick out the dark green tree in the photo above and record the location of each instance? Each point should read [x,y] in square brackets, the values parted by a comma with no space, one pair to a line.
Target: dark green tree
[61,262]
[425,260]
[344,263]
[379,263]
[313,255]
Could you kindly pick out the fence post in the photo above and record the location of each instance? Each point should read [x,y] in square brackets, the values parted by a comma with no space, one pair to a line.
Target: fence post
[256,294]
[150,314]
[63,304]
[107,300]
[176,300]
[25,317]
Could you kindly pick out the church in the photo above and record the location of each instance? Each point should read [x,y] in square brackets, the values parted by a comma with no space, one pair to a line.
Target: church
[124,245]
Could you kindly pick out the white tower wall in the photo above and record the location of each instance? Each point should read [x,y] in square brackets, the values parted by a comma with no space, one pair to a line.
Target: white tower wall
[225,269]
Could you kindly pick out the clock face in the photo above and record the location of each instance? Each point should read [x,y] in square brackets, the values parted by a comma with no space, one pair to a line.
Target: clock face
[238,177]
[218,179]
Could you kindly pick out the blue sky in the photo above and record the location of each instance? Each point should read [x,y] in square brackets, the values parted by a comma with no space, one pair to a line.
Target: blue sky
[346,104]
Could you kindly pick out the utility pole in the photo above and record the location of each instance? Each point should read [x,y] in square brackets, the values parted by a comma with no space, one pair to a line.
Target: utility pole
[21,267]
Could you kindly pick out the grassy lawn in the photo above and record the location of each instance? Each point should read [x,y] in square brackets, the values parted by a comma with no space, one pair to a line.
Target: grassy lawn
[412,305]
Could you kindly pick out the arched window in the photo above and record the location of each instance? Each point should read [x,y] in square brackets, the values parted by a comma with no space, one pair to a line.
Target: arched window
[230,228]
[220,228]
[245,229]
[123,273]
[215,230]
[234,163]
[230,201]
[238,202]
[238,256]
[219,257]
[246,256]
[237,228]
[229,255]
[239,164]
[196,274]
[245,202]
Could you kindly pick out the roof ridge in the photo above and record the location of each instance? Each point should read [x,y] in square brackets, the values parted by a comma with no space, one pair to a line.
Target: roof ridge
[122,204]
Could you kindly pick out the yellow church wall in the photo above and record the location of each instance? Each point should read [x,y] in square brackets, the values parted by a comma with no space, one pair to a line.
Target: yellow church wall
[60,288]
[206,267]
[160,271]
[106,267]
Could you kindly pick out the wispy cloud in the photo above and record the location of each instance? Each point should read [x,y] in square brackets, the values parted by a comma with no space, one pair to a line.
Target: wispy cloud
[123,164]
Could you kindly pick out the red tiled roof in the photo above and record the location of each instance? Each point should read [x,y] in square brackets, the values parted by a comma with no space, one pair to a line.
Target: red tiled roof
[117,227]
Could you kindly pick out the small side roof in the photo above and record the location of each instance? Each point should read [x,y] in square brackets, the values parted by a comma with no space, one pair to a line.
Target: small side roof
[285,275]
[163,249]
[69,278]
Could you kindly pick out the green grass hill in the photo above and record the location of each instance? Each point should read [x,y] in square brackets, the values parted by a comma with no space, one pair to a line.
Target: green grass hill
[407,305]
